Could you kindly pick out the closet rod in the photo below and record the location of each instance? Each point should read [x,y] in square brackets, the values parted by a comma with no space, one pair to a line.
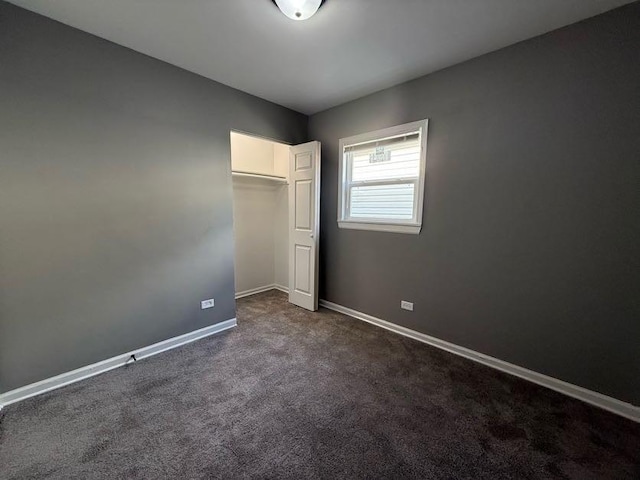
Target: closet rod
[238,173]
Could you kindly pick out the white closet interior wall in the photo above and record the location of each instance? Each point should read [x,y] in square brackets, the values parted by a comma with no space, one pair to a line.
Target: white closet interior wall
[260,213]
[281,220]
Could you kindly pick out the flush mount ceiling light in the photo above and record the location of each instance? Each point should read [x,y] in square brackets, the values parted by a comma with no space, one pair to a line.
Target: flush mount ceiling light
[298,9]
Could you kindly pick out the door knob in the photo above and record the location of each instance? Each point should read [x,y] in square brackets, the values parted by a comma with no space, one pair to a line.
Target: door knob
[311,235]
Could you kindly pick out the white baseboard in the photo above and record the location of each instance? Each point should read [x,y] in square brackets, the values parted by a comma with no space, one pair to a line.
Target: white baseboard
[81,373]
[266,288]
[282,288]
[254,291]
[605,402]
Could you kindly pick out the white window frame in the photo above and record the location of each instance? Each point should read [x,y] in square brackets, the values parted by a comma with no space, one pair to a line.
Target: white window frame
[384,224]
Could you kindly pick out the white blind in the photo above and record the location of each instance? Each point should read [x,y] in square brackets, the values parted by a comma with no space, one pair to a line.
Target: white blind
[383,178]
[388,159]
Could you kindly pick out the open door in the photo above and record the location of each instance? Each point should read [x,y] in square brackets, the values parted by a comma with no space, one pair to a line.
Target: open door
[304,224]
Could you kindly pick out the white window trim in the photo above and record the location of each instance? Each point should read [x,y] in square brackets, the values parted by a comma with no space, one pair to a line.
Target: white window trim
[385,225]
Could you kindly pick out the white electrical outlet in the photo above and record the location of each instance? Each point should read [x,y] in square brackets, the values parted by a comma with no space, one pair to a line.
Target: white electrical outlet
[207,303]
[406,305]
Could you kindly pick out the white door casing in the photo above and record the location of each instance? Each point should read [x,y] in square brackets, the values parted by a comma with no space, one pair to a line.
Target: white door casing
[304,224]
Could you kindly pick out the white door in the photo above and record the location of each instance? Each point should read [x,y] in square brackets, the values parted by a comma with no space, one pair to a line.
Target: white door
[304,224]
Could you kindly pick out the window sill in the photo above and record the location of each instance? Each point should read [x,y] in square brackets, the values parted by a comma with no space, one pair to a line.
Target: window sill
[381,227]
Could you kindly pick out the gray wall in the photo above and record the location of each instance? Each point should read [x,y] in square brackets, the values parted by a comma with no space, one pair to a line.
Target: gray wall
[115,197]
[530,247]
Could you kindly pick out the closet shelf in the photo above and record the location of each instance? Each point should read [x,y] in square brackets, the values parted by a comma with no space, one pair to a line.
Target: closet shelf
[261,176]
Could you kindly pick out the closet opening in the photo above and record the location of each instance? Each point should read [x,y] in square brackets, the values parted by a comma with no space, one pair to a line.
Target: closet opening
[276,200]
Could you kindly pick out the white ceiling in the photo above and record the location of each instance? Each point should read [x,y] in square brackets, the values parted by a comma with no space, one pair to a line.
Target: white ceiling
[348,49]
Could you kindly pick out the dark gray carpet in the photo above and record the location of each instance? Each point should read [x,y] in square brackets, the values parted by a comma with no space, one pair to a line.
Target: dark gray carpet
[293,394]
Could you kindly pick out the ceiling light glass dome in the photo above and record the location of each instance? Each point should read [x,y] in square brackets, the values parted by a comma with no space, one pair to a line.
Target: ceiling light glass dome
[298,9]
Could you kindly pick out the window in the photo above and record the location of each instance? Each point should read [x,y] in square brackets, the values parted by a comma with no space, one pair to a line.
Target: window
[382,179]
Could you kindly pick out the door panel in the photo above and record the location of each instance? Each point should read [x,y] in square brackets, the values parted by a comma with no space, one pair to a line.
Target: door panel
[303,161]
[304,204]
[303,267]
[304,227]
